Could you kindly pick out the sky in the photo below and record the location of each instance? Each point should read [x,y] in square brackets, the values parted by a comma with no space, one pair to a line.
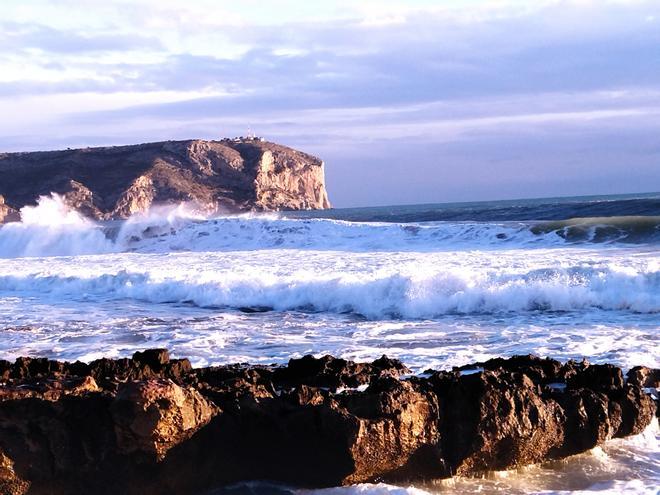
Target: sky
[406,101]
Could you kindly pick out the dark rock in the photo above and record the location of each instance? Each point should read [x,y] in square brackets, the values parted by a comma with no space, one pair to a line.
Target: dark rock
[228,385]
[59,445]
[537,369]
[25,367]
[153,416]
[49,388]
[154,358]
[495,420]
[151,424]
[153,363]
[600,377]
[647,378]
[321,439]
[10,483]
[5,370]
[643,377]
[637,411]
[334,373]
[586,423]
[594,415]
[397,431]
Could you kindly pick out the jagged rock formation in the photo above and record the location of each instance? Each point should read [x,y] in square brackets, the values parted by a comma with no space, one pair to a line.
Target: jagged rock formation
[7,214]
[153,425]
[114,182]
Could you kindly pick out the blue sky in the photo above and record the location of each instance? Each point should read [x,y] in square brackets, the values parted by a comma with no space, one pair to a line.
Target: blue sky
[406,101]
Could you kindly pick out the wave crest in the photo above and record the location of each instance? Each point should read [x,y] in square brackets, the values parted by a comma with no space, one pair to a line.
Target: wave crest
[53,229]
[376,296]
[624,229]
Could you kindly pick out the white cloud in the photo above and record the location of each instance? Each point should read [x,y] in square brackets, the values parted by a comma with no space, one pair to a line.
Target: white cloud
[331,75]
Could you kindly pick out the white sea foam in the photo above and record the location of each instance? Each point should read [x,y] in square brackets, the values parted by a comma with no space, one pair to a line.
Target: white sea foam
[238,233]
[408,290]
[52,229]
[437,309]
[435,294]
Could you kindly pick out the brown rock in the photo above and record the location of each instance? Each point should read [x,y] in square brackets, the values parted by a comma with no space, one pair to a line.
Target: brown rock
[600,377]
[116,182]
[92,428]
[495,420]
[644,377]
[154,416]
[637,410]
[397,432]
[539,370]
[334,373]
[50,389]
[10,483]
[7,213]
[311,437]
[587,421]
[80,198]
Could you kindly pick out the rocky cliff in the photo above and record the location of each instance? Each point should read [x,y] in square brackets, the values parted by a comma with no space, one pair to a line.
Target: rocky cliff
[7,214]
[114,182]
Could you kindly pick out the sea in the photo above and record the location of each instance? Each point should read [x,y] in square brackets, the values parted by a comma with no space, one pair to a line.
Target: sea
[435,285]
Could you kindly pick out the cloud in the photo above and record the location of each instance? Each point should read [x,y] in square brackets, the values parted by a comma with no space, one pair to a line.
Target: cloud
[33,36]
[425,57]
[342,78]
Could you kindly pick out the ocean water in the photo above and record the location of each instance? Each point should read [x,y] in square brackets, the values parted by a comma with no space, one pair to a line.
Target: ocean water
[433,285]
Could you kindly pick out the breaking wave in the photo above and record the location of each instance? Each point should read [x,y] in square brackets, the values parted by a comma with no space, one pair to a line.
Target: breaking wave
[52,229]
[625,229]
[372,295]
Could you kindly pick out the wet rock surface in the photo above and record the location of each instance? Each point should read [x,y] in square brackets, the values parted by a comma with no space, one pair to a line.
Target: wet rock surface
[152,424]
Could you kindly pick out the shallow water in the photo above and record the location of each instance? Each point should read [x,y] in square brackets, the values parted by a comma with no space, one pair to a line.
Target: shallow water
[263,289]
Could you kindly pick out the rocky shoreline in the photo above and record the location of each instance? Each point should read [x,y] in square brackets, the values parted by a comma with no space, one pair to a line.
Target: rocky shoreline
[151,424]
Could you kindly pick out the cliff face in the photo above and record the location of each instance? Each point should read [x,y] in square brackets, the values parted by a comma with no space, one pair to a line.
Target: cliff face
[7,214]
[114,182]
